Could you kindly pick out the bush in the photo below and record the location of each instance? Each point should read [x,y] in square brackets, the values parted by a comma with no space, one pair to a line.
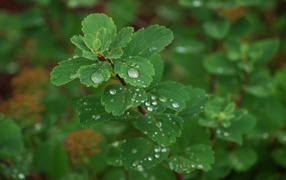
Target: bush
[151,90]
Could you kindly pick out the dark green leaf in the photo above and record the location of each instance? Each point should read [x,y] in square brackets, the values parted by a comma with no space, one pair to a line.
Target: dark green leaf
[10,138]
[123,38]
[67,70]
[114,154]
[95,74]
[141,153]
[217,29]
[149,41]
[136,71]
[118,98]
[91,111]
[243,158]
[161,128]
[198,156]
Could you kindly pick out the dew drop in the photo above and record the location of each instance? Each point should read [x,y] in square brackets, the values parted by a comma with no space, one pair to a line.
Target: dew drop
[175,105]
[159,124]
[154,103]
[163,99]
[112,91]
[134,151]
[152,48]
[158,149]
[164,150]
[97,78]
[150,158]
[133,73]
[149,108]
[96,116]
[157,155]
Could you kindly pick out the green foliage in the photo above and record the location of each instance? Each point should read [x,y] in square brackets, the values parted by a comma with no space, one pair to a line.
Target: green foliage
[200,96]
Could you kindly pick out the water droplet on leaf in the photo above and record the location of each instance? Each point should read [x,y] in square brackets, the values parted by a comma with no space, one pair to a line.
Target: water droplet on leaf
[97,78]
[175,105]
[112,91]
[133,73]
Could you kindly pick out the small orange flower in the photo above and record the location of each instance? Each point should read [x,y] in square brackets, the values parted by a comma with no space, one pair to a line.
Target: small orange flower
[82,144]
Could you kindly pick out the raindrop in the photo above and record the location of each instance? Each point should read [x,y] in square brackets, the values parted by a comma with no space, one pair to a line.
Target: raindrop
[147,103]
[154,103]
[149,108]
[159,124]
[158,149]
[226,134]
[152,49]
[85,103]
[135,163]
[112,91]
[164,150]
[150,158]
[163,99]
[197,3]
[97,78]
[153,97]
[96,116]
[134,151]
[175,105]
[157,155]
[133,73]
[21,176]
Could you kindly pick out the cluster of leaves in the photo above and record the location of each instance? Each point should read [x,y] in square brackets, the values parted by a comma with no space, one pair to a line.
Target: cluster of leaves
[137,97]
[142,122]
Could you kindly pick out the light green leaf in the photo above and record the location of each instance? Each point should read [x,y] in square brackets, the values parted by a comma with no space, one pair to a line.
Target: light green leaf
[136,71]
[158,65]
[113,53]
[91,111]
[217,29]
[118,98]
[196,103]
[95,74]
[260,84]
[89,40]
[141,153]
[262,51]
[149,41]
[67,70]
[105,37]
[92,23]
[161,128]
[198,156]
[79,42]
[219,64]
[168,94]
[123,38]
[10,139]
[113,155]
[238,128]
[243,158]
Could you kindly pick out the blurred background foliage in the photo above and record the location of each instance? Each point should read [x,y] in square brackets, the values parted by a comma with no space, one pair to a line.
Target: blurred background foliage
[234,50]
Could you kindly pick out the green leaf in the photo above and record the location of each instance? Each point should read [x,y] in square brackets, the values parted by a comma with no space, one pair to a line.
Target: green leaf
[198,156]
[196,103]
[217,29]
[158,65]
[149,41]
[260,84]
[219,64]
[92,23]
[118,98]
[238,128]
[67,70]
[136,71]
[10,139]
[168,94]
[113,155]
[113,53]
[279,156]
[161,128]
[123,38]
[91,111]
[105,37]
[93,75]
[141,153]
[92,42]
[158,172]
[80,42]
[262,51]
[243,158]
